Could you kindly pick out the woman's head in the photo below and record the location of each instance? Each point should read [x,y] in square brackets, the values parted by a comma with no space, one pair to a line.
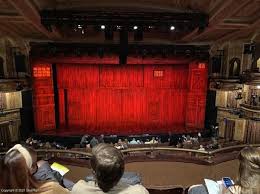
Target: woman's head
[249,170]
[16,166]
[108,165]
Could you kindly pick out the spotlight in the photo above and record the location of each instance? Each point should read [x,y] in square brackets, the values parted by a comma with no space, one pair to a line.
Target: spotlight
[79,26]
[103,27]
[172,28]
[135,27]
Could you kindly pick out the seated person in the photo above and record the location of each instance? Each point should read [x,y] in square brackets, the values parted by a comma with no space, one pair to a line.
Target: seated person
[16,173]
[249,172]
[121,145]
[248,176]
[84,141]
[152,141]
[101,139]
[93,142]
[201,148]
[108,167]
[42,171]
[133,141]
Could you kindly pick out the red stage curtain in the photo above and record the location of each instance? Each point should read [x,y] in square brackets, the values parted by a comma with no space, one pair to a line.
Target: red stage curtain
[122,99]
[114,99]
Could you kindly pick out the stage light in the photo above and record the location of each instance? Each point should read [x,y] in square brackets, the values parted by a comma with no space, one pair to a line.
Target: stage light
[258,87]
[135,27]
[172,28]
[103,27]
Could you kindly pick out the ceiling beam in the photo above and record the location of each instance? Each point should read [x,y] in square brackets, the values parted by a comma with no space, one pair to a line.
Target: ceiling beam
[226,10]
[243,32]
[12,18]
[8,31]
[26,9]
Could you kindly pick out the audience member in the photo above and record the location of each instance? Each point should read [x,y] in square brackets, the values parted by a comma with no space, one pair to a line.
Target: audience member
[42,171]
[101,139]
[199,136]
[120,144]
[249,172]
[108,165]
[248,181]
[201,148]
[93,142]
[16,174]
[84,141]
[133,141]
[152,141]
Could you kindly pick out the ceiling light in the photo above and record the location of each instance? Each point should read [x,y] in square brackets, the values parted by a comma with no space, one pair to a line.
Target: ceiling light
[79,26]
[135,27]
[258,87]
[103,27]
[150,27]
[118,27]
[172,28]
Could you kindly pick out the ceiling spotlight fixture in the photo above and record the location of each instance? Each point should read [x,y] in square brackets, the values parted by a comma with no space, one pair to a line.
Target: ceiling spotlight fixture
[103,27]
[79,26]
[135,27]
[172,28]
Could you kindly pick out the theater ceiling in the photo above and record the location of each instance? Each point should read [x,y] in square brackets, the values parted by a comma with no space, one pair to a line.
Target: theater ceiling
[229,20]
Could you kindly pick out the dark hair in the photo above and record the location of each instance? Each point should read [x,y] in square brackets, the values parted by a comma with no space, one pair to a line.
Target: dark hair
[15,173]
[108,165]
[249,170]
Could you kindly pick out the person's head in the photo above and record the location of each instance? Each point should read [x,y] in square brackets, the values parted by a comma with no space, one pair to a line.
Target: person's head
[108,165]
[33,154]
[249,170]
[16,166]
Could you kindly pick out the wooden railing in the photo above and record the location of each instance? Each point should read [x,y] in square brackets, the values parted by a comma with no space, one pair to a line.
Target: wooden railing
[71,154]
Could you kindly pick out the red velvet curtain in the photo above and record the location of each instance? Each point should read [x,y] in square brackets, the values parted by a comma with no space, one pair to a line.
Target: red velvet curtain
[114,99]
[122,99]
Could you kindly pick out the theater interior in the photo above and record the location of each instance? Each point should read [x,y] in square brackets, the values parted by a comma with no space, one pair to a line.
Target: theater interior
[173,84]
